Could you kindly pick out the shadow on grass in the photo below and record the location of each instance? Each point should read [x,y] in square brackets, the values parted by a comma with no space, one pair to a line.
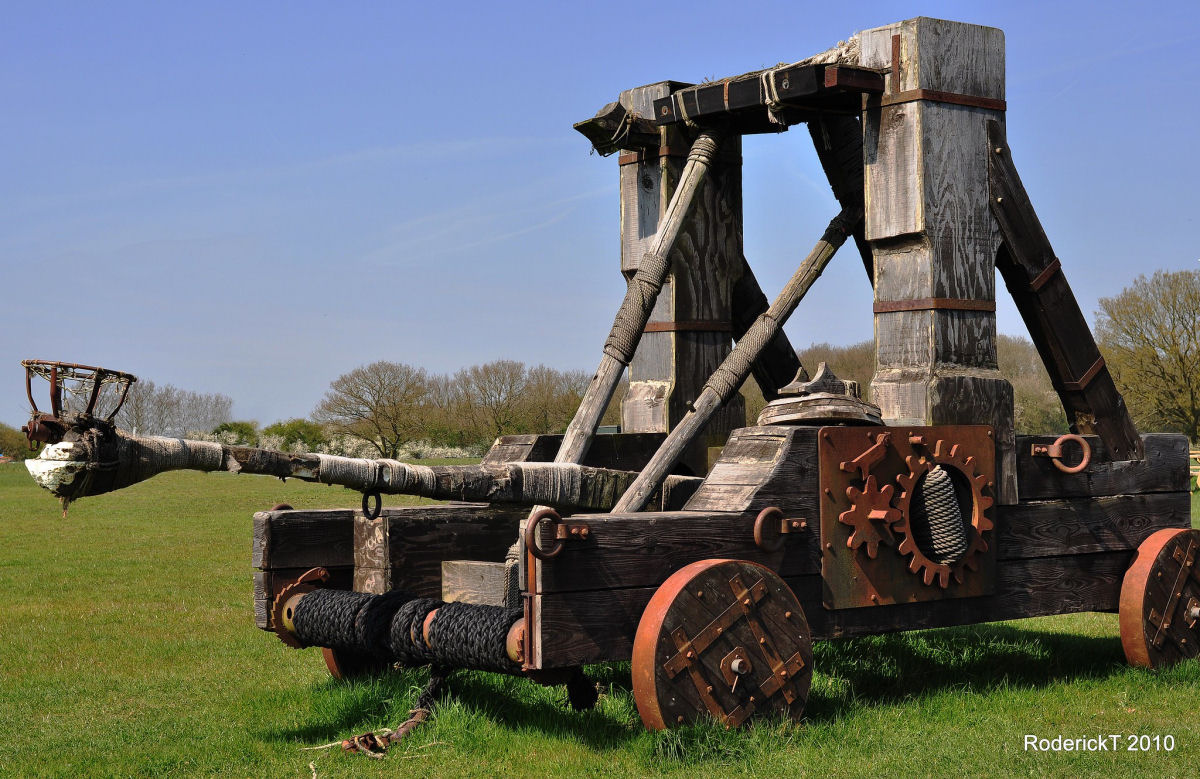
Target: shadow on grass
[852,673]
[977,659]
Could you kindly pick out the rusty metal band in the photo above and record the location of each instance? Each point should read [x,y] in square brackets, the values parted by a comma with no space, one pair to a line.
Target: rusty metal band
[927,304]
[1080,384]
[1042,278]
[689,325]
[679,152]
[935,96]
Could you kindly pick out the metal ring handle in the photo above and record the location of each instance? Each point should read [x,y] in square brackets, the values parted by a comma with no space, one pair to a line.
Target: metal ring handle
[531,529]
[366,503]
[772,515]
[1083,446]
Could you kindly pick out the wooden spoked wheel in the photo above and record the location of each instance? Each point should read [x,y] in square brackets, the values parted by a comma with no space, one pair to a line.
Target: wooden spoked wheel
[1160,600]
[721,639]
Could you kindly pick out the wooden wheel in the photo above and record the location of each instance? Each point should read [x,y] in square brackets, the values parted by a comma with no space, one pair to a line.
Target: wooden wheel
[725,639]
[1160,600]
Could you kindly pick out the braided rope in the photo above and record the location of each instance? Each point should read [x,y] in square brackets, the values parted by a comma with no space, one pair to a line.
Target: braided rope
[938,523]
[392,627]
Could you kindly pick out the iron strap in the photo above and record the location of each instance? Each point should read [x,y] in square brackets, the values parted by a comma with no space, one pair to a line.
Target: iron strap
[927,304]
[934,96]
[1047,273]
[1080,384]
[689,325]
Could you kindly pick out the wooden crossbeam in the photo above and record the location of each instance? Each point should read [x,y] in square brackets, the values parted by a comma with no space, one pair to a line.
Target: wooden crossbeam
[795,93]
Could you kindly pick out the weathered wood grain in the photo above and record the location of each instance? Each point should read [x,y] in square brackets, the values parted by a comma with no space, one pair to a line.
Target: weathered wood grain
[303,539]
[761,467]
[622,451]
[634,550]
[932,233]
[406,546]
[669,368]
[585,627]
[471,581]
[1082,525]
[1163,469]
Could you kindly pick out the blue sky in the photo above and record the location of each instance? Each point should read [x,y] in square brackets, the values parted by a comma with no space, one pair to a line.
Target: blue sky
[252,198]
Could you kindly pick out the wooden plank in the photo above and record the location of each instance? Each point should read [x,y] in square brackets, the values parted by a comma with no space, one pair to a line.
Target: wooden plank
[1056,324]
[471,581]
[417,539]
[597,626]
[635,550]
[1025,588]
[761,467]
[267,585]
[1083,525]
[1164,468]
[623,451]
[303,539]
[742,100]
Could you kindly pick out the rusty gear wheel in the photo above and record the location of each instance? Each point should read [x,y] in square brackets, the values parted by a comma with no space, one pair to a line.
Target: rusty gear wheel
[949,456]
[871,515]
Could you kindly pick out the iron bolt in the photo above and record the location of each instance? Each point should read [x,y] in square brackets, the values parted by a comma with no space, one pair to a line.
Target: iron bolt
[699,593]
[739,666]
[787,615]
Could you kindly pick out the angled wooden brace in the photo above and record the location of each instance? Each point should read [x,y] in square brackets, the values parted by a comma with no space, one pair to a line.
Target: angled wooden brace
[1035,279]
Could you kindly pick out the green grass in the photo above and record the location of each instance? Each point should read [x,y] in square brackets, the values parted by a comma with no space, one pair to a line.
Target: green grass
[127,647]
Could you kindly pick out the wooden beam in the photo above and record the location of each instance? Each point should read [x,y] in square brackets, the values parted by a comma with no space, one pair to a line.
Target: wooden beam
[932,233]
[1035,278]
[634,550]
[622,451]
[670,365]
[405,547]
[778,364]
[1164,468]
[599,625]
[1084,525]
[796,91]
[839,144]
[303,539]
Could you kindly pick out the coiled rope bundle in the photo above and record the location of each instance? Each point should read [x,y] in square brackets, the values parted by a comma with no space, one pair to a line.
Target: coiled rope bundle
[392,627]
[939,527]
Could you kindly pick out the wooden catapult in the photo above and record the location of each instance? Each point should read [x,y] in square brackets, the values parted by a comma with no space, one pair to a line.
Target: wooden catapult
[832,517]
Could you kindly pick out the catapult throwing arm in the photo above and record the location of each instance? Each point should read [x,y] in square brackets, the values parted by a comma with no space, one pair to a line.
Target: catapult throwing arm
[103,459]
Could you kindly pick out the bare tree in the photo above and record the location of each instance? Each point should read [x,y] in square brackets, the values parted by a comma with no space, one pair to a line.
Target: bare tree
[384,404]
[1150,337]
[491,395]
[166,410]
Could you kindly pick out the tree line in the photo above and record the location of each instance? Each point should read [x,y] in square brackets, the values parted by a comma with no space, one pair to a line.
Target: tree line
[1149,335]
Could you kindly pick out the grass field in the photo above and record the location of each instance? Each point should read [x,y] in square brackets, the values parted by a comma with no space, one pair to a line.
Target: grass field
[127,647]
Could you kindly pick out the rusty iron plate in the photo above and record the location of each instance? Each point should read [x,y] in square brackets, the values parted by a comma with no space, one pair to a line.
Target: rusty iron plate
[721,639]
[869,553]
